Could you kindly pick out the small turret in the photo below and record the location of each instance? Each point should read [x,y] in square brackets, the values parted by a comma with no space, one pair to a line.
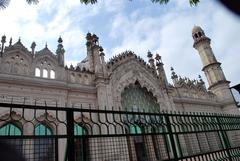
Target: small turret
[174,76]
[60,52]
[10,42]
[102,55]
[161,71]
[94,53]
[150,59]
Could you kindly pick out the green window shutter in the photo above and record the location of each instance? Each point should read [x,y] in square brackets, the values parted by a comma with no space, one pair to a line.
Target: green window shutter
[10,129]
[42,130]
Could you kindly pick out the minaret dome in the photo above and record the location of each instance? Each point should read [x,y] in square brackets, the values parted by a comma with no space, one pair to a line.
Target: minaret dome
[197,33]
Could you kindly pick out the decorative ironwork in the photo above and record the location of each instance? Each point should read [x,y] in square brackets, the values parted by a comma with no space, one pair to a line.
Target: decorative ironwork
[54,133]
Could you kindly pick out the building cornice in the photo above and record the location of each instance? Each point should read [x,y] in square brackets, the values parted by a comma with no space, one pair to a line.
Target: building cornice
[45,83]
[211,64]
[218,83]
[196,101]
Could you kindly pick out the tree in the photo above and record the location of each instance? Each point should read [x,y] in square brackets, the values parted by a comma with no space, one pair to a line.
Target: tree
[191,2]
[5,3]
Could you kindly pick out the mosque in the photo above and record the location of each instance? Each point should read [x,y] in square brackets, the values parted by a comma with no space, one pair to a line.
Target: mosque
[124,82]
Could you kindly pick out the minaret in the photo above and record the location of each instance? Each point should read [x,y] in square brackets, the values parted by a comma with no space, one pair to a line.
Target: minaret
[211,67]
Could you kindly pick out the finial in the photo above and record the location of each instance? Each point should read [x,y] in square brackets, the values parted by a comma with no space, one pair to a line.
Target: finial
[71,67]
[95,39]
[158,57]
[60,40]
[19,39]
[200,79]
[149,54]
[33,47]
[174,75]
[3,39]
[10,42]
[46,46]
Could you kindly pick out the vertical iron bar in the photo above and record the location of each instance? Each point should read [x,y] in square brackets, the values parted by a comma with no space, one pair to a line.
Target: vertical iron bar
[171,137]
[56,149]
[225,138]
[70,135]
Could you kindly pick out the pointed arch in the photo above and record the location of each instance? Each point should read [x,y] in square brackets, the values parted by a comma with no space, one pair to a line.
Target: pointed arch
[135,72]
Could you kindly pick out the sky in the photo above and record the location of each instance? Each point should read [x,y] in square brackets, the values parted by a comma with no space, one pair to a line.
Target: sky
[136,25]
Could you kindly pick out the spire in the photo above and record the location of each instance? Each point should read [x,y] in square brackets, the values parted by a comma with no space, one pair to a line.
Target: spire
[60,45]
[19,39]
[60,52]
[60,40]
[10,42]
[3,41]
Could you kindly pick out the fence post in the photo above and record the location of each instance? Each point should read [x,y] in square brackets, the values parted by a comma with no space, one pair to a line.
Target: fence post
[70,136]
[171,137]
[225,138]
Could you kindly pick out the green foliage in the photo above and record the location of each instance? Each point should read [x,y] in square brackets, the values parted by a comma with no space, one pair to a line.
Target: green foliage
[32,1]
[191,2]
[88,1]
[5,3]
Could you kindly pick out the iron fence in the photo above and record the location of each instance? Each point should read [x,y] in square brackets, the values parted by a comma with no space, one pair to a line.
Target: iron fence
[86,134]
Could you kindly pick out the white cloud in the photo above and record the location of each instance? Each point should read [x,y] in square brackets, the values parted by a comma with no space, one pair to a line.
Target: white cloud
[163,29]
[170,35]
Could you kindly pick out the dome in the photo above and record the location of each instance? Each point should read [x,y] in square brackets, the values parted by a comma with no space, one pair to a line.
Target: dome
[196,29]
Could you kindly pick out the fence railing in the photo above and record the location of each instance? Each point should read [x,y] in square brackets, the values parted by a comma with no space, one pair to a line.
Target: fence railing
[52,134]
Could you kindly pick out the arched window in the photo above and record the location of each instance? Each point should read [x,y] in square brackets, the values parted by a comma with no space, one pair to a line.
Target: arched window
[37,72]
[45,73]
[81,144]
[137,98]
[12,130]
[44,147]
[52,74]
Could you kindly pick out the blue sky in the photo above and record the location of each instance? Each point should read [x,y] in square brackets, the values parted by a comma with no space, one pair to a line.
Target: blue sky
[136,25]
